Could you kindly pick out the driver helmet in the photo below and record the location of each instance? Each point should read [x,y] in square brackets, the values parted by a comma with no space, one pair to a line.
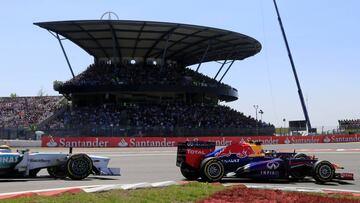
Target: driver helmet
[5,148]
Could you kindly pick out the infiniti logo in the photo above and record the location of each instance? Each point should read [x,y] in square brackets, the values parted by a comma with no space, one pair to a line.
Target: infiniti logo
[272,165]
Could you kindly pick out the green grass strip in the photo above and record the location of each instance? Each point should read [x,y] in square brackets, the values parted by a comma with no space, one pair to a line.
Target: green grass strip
[176,193]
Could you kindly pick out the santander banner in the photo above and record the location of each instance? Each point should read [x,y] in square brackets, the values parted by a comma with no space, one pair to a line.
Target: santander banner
[49,141]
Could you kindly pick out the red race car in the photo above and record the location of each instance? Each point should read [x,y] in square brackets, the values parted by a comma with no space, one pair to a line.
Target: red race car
[249,160]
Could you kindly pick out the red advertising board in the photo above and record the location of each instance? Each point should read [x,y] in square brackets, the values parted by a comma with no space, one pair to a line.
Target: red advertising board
[48,141]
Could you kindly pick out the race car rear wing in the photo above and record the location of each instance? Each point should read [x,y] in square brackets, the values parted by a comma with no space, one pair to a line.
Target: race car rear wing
[192,152]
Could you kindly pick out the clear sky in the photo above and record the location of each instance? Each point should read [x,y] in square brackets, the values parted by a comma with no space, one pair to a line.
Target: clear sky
[323,36]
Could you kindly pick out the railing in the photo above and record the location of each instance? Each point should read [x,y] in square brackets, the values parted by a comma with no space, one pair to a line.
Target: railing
[123,131]
[223,91]
[19,133]
[156,131]
[320,130]
[16,133]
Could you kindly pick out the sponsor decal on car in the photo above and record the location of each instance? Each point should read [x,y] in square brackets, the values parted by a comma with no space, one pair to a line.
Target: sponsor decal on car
[8,160]
[40,160]
[192,151]
[273,165]
[240,150]
[231,161]
[269,173]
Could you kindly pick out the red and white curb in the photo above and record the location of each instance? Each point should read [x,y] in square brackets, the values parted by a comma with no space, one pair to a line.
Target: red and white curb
[103,188]
[89,189]
[48,192]
[300,189]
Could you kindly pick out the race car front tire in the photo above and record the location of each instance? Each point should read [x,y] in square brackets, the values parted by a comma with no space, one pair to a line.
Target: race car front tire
[79,166]
[188,172]
[323,171]
[211,170]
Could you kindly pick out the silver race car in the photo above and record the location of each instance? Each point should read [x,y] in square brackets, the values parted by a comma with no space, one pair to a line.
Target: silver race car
[59,165]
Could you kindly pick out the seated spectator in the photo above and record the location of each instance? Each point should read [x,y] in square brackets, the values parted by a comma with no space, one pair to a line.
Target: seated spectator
[26,111]
[349,124]
[164,115]
[105,74]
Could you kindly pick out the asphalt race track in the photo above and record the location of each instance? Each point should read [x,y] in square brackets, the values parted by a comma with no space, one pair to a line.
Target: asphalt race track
[158,164]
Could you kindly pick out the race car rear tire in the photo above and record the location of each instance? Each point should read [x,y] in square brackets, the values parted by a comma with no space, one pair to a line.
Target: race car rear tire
[34,172]
[188,172]
[211,170]
[298,173]
[57,172]
[323,171]
[79,166]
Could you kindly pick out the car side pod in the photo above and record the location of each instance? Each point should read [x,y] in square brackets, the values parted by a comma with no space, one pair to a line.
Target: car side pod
[243,169]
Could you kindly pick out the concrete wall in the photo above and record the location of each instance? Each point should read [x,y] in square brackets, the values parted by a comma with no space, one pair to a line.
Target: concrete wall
[21,143]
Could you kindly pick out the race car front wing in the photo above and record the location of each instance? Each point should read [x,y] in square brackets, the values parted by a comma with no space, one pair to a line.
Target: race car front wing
[108,172]
[344,176]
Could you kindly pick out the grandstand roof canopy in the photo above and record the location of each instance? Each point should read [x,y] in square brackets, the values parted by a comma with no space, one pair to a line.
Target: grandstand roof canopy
[186,44]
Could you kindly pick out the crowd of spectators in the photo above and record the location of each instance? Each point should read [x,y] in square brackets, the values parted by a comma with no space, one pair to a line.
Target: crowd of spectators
[26,111]
[164,115]
[349,124]
[99,116]
[100,74]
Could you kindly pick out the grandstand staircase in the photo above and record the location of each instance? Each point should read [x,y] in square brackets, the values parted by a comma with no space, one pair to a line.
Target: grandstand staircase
[53,116]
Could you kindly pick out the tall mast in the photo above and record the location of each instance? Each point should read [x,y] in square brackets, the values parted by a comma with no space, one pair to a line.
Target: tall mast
[293,69]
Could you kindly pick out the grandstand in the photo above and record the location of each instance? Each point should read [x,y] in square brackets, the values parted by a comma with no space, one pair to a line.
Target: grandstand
[140,83]
[349,125]
[26,111]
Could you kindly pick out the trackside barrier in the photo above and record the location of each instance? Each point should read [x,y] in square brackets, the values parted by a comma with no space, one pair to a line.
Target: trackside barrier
[49,141]
[21,143]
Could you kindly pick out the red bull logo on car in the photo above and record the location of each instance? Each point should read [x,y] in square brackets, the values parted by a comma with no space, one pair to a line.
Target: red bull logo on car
[240,150]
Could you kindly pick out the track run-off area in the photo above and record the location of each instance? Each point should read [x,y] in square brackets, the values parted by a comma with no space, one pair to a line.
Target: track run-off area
[158,164]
